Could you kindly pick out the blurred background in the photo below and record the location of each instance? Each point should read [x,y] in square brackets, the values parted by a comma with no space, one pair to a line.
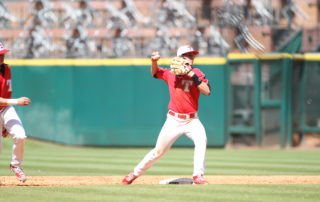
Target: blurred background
[261,57]
[133,28]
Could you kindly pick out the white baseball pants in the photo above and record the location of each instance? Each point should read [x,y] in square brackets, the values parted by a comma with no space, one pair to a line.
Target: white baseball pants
[10,121]
[172,129]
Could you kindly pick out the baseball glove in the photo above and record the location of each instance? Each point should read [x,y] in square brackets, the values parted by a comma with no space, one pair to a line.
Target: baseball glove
[179,65]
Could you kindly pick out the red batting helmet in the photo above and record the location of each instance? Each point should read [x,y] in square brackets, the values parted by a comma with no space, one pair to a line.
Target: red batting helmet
[2,49]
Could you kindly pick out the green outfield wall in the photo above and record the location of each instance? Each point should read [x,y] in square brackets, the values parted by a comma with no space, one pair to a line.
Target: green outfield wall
[116,102]
[112,102]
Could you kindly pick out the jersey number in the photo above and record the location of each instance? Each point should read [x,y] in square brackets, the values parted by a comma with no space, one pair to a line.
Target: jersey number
[186,85]
[9,85]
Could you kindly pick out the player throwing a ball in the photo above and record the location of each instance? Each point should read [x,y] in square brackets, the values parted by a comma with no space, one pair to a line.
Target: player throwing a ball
[185,85]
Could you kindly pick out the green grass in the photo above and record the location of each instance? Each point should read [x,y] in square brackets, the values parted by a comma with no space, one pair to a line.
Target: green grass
[174,193]
[50,159]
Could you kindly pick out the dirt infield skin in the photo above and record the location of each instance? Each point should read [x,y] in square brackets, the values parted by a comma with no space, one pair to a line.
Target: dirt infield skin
[11,181]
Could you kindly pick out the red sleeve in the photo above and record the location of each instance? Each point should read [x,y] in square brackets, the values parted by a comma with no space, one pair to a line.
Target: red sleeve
[162,73]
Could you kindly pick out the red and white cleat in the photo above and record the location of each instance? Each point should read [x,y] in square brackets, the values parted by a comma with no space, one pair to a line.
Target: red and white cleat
[199,180]
[129,178]
[18,171]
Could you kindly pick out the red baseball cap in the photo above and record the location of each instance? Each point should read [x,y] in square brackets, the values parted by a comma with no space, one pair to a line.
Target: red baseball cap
[186,49]
[2,49]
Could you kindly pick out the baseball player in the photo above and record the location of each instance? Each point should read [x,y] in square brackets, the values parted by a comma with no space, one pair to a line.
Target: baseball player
[10,124]
[182,117]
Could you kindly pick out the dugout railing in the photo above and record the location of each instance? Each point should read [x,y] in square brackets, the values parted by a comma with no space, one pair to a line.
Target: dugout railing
[271,97]
[306,93]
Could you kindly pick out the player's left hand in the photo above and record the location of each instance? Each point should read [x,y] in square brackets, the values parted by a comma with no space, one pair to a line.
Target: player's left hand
[23,101]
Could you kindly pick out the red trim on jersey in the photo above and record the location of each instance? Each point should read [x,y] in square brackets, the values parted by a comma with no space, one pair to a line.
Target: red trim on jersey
[184,93]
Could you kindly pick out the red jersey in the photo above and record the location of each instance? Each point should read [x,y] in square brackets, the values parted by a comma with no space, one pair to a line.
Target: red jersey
[5,82]
[184,93]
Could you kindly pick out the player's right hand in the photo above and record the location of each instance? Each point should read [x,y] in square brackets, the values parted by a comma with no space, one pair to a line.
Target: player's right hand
[23,101]
[155,56]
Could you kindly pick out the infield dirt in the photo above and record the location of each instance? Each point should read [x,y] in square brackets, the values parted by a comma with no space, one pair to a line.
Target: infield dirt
[11,181]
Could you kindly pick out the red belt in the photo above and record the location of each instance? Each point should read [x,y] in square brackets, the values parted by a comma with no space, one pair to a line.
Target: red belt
[182,116]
